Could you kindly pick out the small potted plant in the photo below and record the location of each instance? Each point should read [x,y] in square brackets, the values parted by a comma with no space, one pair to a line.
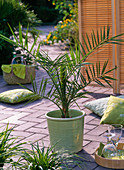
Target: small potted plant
[66,82]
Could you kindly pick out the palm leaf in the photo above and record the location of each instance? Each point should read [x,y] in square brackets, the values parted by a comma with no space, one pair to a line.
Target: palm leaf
[85,43]
[88,41]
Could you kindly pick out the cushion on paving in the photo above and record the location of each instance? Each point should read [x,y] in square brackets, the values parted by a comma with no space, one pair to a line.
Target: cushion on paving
[17,96]
[114,114]
[99,106]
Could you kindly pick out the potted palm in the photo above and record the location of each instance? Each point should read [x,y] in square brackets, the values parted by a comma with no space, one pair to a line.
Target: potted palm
[66,82]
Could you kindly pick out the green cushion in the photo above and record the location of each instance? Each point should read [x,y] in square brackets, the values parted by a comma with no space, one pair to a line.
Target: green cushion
[16,96]
[114,114]
[99,106]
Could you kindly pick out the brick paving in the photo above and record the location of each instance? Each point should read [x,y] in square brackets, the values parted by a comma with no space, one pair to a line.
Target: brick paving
[31,123]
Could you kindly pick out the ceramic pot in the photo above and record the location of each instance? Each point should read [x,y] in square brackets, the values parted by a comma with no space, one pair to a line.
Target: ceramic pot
[66,133]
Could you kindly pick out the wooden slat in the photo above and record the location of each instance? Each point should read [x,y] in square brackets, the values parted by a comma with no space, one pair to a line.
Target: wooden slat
[94,15]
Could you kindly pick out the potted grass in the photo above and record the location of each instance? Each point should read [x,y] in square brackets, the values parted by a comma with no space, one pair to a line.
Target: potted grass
[66,82]
[9,148]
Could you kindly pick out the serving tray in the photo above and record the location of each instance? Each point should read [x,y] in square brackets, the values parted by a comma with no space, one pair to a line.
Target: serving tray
[110,163]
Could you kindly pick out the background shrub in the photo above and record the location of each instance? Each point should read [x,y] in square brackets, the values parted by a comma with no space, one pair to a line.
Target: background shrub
[45,10]
[67,29]
[13,12]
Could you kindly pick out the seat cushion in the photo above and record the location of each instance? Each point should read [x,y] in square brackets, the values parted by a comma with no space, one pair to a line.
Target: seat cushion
[99,106]
[114,114]
[16,96]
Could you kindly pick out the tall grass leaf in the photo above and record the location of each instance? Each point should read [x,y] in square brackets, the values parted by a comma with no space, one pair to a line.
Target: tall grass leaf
[34,43]
[26,38]
[20,35]
[13,34]
[37,52]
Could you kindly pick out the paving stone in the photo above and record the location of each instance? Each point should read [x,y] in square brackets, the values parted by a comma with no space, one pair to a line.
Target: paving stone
[37,114]
[37,130]
[27,110]
[91,147]
[11,112]
[90,127]
[15,122]
[86,166]
[14,118]
[46,138]
[94,122]
[94,138]
[88,118]
[2,107]
[98,130]
[86,131]
[25,126]
[21,133]
[102,168]
[4,116]
[35,137]
[85,142]
[43,142]
[42,125]
[31,119]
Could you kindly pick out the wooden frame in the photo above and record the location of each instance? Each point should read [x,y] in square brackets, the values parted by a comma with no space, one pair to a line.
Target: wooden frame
[116,48]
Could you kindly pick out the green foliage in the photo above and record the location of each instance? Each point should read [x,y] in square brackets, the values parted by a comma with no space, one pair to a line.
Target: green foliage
[46,14]
[24,40]
[47,159]
[15,11]
[45,11]
[12,12]
[38,158]
[65,76]
[8,147]
[67,29]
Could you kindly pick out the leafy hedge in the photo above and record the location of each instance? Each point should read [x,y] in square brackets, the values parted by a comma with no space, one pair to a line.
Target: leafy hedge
[12,12]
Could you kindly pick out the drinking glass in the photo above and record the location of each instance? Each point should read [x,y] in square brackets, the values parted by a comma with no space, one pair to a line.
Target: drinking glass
[116,131]
[109,149]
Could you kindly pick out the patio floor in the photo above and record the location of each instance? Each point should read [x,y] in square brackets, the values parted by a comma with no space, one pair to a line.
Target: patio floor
[31,124]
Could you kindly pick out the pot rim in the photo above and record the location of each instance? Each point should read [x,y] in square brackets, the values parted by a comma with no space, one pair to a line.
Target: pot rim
[66,119]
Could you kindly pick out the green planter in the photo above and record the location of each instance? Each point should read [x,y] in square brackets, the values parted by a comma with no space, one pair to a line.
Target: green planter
[66,133]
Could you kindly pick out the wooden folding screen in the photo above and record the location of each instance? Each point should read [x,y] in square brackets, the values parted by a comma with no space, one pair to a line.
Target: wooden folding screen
[94,14]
